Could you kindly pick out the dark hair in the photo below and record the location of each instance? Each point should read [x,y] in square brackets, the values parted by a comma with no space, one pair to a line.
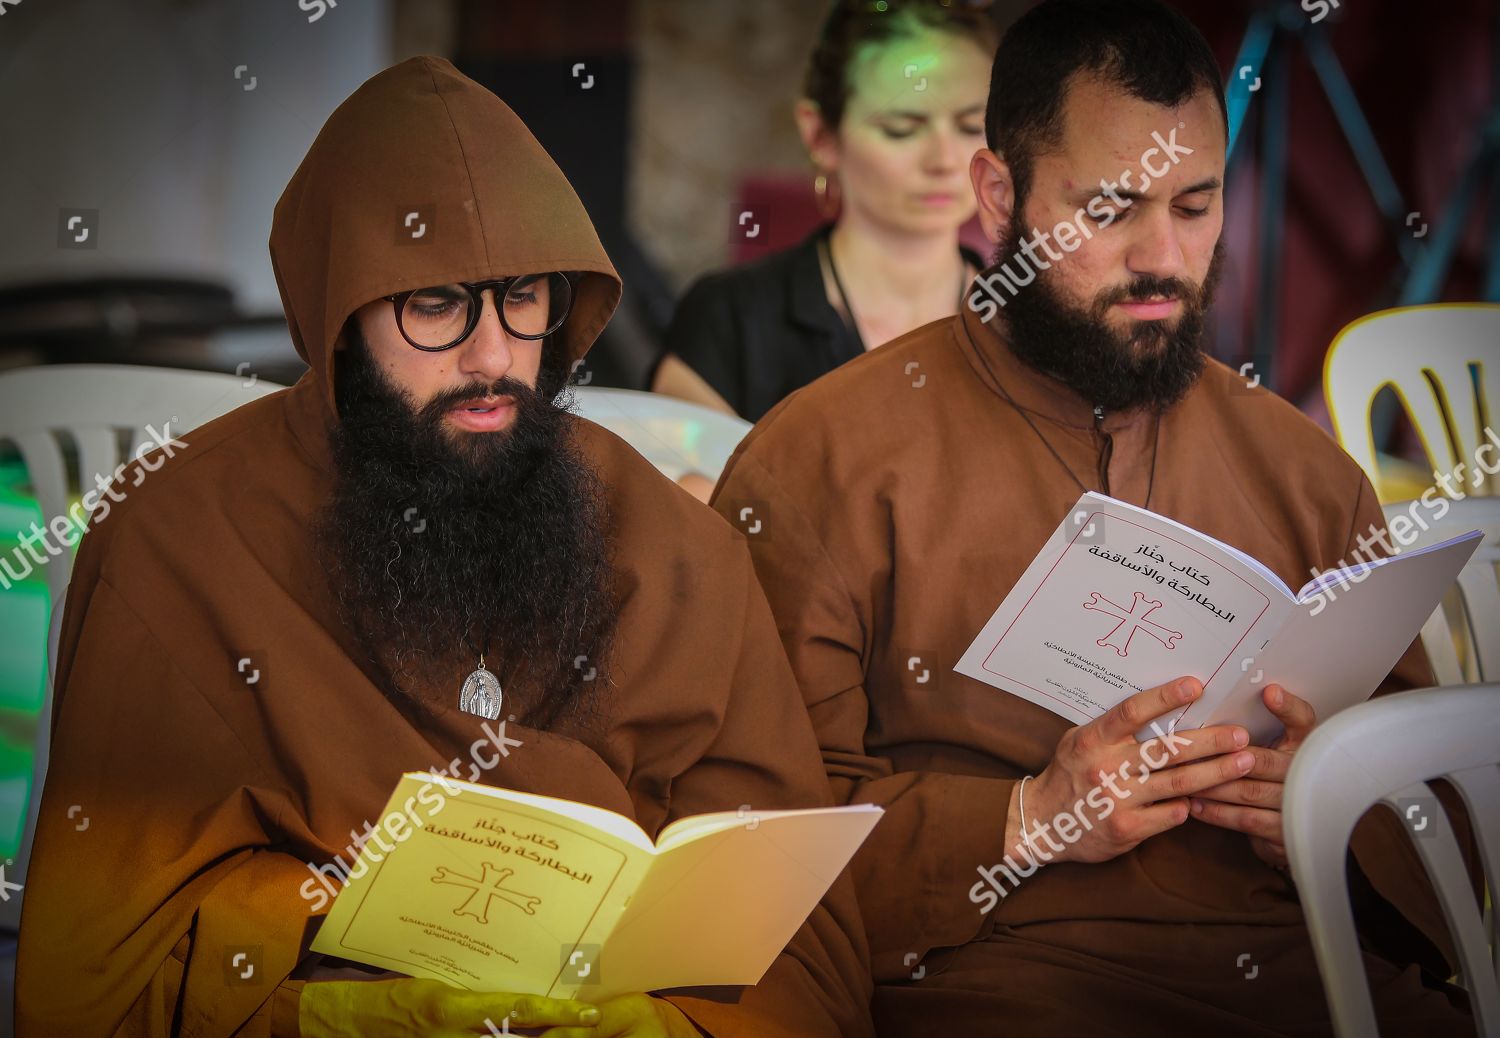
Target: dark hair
[1144,46]
[852,25]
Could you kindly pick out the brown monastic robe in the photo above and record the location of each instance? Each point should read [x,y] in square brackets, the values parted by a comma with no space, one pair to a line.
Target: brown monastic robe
[898,500]
[206,799]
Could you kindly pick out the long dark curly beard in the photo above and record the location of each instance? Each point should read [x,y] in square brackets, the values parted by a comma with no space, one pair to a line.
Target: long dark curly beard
[497,542]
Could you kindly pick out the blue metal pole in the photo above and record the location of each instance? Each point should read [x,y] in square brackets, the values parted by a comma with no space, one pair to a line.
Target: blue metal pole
[1272,216]
[1361,139]
[1240,89]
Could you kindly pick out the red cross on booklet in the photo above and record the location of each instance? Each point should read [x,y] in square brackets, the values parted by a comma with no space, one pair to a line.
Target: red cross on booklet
[1120,599]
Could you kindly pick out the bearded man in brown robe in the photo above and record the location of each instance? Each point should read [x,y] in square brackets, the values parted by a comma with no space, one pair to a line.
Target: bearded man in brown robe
[891,506]
[415,509]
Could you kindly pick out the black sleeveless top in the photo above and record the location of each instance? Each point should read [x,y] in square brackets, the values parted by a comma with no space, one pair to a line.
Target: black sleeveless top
[758,332]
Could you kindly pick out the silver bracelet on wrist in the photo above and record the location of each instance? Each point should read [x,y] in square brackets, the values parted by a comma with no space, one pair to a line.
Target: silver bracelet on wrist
[1021,809]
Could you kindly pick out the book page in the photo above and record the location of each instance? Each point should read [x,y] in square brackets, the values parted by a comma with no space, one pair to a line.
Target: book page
[1335,652]
[718,908]
[1250,562]
[695,827]
[486,893]
[1353,575]
[1120,600]
[616,825]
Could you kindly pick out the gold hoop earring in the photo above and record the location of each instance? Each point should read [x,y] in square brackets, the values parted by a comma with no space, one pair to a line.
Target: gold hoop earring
[827,194]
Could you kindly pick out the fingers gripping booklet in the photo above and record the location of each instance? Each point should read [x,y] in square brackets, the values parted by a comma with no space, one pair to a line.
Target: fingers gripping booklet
[495,890]
[1121,599]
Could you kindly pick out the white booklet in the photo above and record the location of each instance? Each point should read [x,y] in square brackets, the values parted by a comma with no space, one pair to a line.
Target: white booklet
[495,890]
[1121,599]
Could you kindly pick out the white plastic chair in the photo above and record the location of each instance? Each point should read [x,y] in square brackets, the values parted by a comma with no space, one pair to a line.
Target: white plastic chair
[676,436]
[105,411]
[1385,751]
[1462,637]
[1430,356]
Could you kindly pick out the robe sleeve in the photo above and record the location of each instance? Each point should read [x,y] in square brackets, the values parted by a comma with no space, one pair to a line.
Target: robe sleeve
[1380,845]
[913,890]
[766,755]
[137,905]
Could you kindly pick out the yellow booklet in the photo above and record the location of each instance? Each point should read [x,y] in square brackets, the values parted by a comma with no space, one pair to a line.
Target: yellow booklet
[494,890]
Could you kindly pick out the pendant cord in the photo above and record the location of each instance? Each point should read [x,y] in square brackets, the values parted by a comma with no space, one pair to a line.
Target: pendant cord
[825,249]
[481,650]
[1155,436]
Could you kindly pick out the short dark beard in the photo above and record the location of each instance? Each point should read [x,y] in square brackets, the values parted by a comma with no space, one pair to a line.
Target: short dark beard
[439,548]
[1152,366]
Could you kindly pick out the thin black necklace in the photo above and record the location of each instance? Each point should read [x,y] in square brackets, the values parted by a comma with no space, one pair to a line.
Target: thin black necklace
[1155,435]
[825,245]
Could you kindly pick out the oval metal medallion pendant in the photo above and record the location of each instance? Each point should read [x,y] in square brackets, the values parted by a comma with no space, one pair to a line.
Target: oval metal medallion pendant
[481,694]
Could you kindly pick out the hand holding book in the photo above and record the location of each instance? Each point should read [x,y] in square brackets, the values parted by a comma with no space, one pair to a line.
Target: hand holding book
[428,1008]
[1104,792]
[415,1006]
[1251,804]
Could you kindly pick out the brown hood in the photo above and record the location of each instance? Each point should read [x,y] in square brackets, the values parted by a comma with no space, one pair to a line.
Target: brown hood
[421,137]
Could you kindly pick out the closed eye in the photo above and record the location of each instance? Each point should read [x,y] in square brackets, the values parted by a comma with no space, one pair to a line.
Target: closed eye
[898,131]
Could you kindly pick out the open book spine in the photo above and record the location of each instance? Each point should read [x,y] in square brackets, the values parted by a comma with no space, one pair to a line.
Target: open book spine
[1251,665]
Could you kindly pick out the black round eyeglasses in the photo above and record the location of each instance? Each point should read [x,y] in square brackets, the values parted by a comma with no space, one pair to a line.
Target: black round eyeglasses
[532,306]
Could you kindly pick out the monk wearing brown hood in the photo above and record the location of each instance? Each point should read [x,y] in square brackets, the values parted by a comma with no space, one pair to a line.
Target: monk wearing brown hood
[413,524]
[898,500]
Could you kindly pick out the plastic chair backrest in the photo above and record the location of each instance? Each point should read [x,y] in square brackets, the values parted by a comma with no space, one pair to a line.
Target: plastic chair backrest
[97,406]
[1442,361]
[110,413]
[1385,751]
[1462,637]
[674,435]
